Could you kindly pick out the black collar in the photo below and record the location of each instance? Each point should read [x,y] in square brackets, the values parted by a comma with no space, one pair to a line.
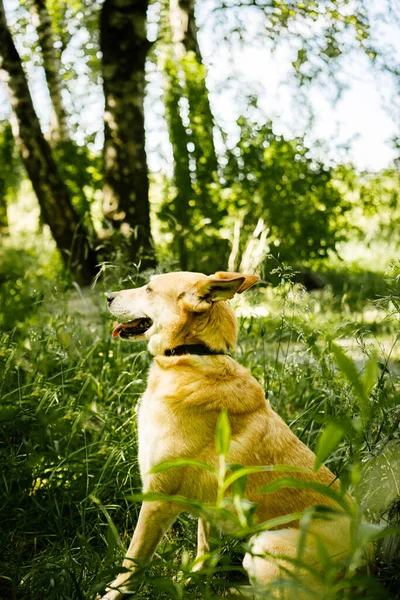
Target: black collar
[199,349]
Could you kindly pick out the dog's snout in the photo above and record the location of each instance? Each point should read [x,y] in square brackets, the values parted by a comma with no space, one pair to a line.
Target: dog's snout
[110,297]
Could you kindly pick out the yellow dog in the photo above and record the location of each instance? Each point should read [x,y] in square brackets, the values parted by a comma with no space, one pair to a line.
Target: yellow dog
[190,329]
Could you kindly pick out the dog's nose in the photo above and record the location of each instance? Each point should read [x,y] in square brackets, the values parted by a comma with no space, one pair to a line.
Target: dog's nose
[110,297]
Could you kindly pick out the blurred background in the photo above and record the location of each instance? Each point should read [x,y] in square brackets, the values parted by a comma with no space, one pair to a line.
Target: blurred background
[230,132]
[143,136]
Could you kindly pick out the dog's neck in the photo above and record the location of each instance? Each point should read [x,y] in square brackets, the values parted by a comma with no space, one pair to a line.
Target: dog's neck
[198,349]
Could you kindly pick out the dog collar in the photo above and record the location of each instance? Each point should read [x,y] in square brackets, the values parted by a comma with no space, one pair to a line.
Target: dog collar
[199,349]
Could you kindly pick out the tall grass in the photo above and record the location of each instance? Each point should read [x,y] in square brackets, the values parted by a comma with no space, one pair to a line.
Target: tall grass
[68,458]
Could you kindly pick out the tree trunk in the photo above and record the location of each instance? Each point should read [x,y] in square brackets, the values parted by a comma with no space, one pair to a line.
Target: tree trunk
[126,191]
[9,173]
[184,26]
[184,31]
[52,66]
[179,139]
[50,190]
[65,150]
[3,208]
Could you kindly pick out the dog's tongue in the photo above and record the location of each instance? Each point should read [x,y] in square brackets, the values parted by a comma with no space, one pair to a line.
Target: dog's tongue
[118,329]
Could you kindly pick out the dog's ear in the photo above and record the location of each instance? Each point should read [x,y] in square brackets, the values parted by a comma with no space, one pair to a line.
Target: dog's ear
[213,289]
[249,280]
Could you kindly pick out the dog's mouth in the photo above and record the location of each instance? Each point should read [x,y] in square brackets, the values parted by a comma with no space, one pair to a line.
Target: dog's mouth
[132,328]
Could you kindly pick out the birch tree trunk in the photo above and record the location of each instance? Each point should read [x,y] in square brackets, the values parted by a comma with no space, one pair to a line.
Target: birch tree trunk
[52,66]
[185,27]
[52,194]
[184,32]
[64,148]
[179,139]
[124,46]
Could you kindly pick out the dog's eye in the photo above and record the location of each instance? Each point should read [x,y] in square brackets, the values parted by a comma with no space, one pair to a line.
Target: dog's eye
[149,289]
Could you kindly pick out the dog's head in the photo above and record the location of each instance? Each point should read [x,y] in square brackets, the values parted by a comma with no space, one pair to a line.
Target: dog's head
[180,308]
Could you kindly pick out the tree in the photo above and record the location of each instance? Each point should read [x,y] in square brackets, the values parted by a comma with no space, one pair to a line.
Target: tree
[10,172]
[197,199]
[283,195]
[72,161]
[193,207]
[57,210]
[52,67]
[201,120]
[179,210]
[124,47]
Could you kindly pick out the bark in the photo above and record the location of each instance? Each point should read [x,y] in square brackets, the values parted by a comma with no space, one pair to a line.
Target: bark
[3,208]
[184,31]
[9,175]
[52,66]
[126,191]
[52,194]
[179,139]
[184,26]
[66,150]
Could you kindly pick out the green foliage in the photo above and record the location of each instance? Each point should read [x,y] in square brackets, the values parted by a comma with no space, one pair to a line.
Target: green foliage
[71,485]
[349,369]
[321,31]
[264,176]
[223,434]
[66,414]
[178,212]
[82,173]
[379,197]
[270,177]
[201,124]
[327,443]
[191,210]
[23,285]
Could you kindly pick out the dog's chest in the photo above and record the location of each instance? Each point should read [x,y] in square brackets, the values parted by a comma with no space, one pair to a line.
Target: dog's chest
[169,427]
[157,432]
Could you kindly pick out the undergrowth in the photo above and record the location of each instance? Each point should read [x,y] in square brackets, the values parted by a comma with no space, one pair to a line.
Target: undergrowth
[68,459]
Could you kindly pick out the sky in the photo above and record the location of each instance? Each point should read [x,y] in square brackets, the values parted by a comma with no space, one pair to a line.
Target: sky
[363,118]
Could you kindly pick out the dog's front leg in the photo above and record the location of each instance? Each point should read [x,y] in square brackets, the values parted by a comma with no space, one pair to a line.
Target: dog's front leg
[154,520]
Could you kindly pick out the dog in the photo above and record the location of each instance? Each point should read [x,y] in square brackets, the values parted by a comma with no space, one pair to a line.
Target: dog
[190,329]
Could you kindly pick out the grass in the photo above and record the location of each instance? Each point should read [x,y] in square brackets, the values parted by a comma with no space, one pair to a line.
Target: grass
[68,458]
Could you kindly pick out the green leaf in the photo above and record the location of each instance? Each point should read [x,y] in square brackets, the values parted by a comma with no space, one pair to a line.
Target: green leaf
[157,497]
[179,463]
[223,433]
[371,373]
[327,443]
[271,524]
[113,538]
[210,511]
[315,486]
[368,532]
[349,369]
[323,556]
[238,473]
[239,486]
